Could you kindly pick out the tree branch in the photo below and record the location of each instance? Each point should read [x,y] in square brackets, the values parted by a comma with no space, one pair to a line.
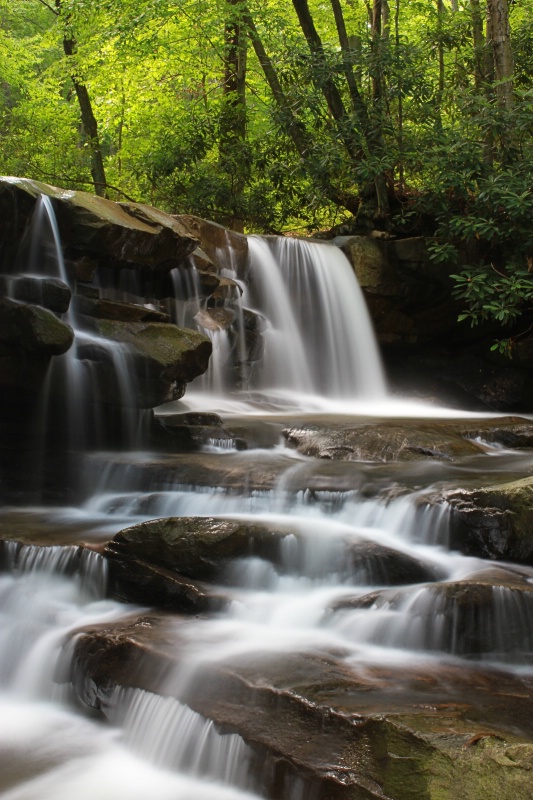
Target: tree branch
[53,10]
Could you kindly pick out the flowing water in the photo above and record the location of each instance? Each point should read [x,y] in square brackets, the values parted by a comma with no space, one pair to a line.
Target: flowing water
[358,577]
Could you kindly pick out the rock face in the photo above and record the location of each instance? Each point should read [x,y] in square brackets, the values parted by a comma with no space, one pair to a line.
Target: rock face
[494,522]
[408,296]
[96,236]
[426,351]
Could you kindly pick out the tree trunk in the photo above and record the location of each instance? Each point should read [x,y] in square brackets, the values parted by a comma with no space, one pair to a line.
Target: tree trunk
[479,44]
[233,117]
[88,120]
[333,98]
[377,78]
[294,127]
[500,39]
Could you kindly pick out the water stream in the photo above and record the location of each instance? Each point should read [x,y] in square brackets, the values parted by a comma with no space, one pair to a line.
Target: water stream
[332,590]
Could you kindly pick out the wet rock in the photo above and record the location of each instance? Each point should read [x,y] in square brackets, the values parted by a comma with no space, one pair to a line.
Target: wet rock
[163,359]
[198,547]
[51,293]
[488,617]
[231,473]
[215,319]
[406,440]
[90,226]
[227,289]
[195,430]
[331,729]
[386,441]
[214,241]
[376,564]
[209,283]
[124,654]
[122,312]
[33,328]
[494,522]
[511,432]
[134,580]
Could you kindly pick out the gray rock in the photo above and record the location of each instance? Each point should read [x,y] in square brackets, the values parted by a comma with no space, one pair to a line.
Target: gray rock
[51,293]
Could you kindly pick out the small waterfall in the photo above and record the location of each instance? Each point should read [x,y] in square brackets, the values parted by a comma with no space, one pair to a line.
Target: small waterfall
[86,396]
[302,302]
[320,337]
[174,736]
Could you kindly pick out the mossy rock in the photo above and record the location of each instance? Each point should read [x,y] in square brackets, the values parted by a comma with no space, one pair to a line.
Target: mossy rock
[197,547]
[161,359]
[33,328]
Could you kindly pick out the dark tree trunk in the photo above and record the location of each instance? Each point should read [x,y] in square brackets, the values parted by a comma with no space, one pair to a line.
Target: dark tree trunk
[293,126]
[89,123]
[328,87]
[233,158]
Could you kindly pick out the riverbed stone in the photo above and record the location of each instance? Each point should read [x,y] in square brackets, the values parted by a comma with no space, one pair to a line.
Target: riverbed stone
[386,441]
[406,439]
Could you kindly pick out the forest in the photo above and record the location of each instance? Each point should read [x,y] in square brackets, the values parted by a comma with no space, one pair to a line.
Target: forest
[406,116]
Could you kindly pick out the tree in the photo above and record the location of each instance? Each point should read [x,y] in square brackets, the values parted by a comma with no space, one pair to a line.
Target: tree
[90,125]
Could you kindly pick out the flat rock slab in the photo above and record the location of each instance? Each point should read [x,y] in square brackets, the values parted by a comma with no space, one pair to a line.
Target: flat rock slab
[231,472]
[347,733]
[127,234]
[406,440]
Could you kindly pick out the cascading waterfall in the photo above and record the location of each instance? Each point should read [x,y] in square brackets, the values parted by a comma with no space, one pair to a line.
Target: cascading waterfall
[362,577]
[72,391]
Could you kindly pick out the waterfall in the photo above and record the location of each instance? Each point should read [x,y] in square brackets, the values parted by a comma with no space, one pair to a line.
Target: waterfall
[320,336]
[309,313]
[341,582]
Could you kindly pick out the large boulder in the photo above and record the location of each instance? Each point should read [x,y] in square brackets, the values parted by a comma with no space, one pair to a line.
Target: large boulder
[33,328]
[161,359]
